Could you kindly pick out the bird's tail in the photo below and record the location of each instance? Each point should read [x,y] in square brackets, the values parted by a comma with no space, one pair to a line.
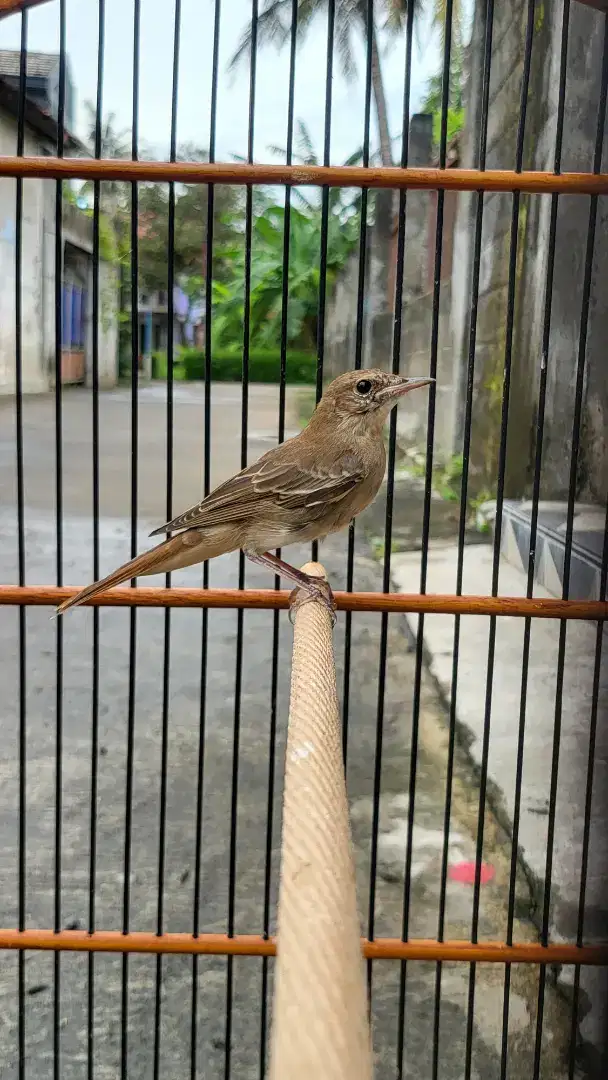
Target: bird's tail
[181,550]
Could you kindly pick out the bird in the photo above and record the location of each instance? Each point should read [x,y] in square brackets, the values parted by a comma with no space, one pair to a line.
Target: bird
[302,490]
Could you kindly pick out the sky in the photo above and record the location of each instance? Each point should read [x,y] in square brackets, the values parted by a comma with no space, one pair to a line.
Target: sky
[157,27]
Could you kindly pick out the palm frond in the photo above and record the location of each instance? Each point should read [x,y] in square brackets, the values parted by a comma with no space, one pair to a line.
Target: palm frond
[343,45]
[273,28]
[306,150]
[395,12]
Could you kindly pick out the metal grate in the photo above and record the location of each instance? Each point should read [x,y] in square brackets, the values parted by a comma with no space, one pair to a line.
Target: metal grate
[551,185]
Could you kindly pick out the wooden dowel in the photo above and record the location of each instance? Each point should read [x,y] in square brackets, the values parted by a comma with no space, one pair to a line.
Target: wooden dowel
[320,1023]
[395,603]
[305,175]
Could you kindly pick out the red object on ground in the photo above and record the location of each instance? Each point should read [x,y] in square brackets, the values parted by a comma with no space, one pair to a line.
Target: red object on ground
[465,872]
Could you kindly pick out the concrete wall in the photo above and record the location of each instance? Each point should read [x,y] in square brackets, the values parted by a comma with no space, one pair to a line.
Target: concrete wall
[378,319]
[38,277]
[532,224]
[584,68]
[32,303]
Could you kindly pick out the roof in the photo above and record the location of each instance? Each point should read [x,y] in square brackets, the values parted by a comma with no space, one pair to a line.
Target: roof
[38,64]
[37,119]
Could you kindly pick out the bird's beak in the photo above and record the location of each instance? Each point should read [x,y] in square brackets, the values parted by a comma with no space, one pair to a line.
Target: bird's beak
[403,386]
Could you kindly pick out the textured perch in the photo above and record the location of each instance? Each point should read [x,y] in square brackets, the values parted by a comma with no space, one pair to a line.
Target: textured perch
[320,1023]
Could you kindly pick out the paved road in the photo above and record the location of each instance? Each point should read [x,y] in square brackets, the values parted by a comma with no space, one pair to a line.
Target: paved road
[183,748]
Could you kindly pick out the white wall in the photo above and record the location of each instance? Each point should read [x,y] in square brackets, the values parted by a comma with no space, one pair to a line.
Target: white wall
[38,282]
[34,377]
[108,327]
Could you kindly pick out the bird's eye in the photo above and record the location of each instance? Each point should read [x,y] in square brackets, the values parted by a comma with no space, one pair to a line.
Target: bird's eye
[363,386]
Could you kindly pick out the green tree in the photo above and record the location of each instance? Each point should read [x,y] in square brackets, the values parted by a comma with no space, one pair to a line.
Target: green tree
[115,143]
[340,199]
[190,228]
[457,74]
[267,278]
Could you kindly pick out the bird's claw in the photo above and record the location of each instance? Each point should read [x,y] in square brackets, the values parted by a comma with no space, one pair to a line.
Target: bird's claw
[318,589]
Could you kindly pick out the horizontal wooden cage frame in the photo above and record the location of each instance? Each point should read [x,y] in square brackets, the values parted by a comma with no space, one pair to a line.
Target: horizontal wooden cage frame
[534,182]
[11,7]
[396,603]
[491,952]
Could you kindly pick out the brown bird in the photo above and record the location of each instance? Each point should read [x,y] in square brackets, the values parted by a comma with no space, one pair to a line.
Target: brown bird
[302,490]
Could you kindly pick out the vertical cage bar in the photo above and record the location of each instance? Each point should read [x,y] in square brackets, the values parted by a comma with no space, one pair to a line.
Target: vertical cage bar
[350,559]
[206,489]
[329,68]
[240,614]
[274,680]
[426,522]
[392,446]
[502,454]
[59,544]
[536,485]
[462,517]
[164,753]
[561,648]
[134,278]
[595,693]
[96,575]
[22,729]
[597,667]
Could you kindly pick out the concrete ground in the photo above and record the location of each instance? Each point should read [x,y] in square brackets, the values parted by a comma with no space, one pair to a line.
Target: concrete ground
[574,719]
[184,728]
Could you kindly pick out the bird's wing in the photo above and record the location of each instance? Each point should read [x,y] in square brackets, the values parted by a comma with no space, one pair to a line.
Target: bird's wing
[281,483]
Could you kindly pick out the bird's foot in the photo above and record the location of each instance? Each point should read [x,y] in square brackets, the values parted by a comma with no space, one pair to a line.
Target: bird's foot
[313,589]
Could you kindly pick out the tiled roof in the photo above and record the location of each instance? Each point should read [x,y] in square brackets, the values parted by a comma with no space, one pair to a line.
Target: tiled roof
[38,119]
[37,64]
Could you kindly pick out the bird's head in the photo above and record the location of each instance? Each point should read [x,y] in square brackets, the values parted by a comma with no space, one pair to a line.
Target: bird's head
[366,395]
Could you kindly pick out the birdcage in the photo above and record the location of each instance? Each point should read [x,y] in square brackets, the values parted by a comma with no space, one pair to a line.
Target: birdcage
[142,778]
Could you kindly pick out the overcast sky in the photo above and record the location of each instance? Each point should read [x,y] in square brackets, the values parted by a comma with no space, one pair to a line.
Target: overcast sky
[157,20]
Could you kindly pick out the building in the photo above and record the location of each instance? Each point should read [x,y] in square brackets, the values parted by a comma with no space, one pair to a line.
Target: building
[153,311]
[38,232]
[41,81]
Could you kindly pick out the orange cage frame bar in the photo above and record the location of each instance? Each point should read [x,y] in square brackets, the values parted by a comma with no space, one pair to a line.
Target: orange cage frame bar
[272,599]
[532,181]
[113,941]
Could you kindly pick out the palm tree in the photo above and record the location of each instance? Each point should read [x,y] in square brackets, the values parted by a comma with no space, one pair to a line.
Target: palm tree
[340,199]
[274,25]
[114,143]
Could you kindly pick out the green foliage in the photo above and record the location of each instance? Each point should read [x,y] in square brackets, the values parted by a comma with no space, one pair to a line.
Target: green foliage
[455,124]
[227,365]
[340,200]
[482,525]
[267,278]
[447,475]
[189,234]
[448,478]
[433,99]
[378,546]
